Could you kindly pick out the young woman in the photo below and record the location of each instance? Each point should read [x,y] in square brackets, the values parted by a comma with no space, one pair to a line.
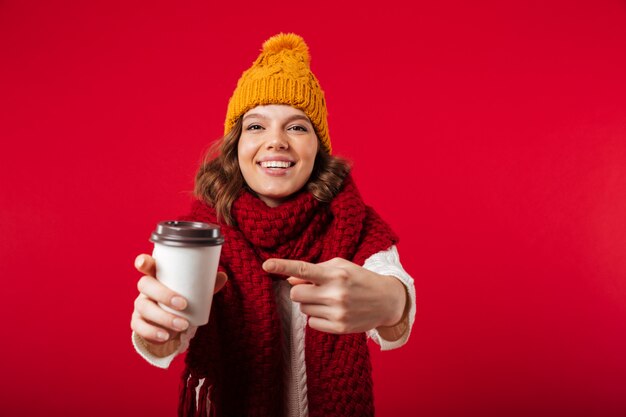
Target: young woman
[307,270]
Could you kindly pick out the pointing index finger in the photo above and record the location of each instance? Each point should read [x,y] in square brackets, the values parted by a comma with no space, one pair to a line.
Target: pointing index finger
[299,269]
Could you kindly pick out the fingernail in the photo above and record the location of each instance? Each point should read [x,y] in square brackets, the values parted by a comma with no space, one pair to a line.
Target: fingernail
[178,302]
[269,265]
[180,324]
[139,262]
[163,336]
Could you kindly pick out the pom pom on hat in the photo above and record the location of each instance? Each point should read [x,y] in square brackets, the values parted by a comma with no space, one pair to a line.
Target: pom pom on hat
[287,41]
[281,75]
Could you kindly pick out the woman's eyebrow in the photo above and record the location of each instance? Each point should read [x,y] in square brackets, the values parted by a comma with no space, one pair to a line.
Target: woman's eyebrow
[257,115]
[289,119]
[298,117]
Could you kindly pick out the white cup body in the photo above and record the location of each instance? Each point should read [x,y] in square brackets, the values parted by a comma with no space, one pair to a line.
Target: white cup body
[190,271]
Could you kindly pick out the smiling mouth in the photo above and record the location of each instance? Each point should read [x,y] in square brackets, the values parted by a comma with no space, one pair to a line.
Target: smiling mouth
[276,164]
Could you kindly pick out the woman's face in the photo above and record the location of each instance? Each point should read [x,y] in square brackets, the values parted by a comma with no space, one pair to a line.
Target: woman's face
[276,151]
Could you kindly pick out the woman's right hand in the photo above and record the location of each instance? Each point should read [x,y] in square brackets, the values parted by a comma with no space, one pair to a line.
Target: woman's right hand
[149,321]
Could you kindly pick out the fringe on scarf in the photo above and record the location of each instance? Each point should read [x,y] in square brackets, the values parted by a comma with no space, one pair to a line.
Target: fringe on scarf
[190,405]
[203,401]
[187,397]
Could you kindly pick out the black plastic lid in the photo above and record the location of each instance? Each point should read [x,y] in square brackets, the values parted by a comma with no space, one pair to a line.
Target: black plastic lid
[181,233]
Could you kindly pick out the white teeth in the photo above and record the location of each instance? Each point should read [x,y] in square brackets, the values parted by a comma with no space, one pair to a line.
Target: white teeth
[275,164]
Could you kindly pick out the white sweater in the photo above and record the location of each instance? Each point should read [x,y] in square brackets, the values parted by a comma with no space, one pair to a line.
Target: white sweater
[294,326]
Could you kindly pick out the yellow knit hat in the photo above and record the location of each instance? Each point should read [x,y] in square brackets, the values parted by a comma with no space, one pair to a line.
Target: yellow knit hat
[281,75]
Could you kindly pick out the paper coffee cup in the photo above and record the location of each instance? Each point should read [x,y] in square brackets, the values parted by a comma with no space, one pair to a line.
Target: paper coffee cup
[187,255]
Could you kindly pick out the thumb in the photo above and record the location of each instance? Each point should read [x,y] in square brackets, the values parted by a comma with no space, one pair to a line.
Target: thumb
[146,265]
[220,281]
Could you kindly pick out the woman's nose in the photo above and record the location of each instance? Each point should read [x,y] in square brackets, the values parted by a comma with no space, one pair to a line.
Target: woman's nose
[278,141]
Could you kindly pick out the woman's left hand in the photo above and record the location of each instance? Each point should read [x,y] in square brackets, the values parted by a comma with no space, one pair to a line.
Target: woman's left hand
[342,297]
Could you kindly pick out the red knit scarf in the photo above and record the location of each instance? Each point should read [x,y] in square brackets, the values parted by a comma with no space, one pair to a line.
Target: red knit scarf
[239,351]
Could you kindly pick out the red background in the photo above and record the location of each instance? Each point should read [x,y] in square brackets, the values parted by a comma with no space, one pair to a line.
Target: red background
[491,135]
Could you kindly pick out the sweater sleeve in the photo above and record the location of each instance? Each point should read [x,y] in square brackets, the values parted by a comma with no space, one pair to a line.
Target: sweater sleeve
[162,362]
[388,263]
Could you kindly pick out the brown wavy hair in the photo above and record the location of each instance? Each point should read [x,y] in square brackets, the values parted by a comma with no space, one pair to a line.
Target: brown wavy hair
[219,180]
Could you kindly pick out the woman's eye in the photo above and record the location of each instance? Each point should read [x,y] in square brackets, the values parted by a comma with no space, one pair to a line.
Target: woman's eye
[299,128]
[254,127]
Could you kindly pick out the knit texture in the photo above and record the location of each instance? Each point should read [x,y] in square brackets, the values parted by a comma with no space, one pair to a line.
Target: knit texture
[239,350]
[281,75]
